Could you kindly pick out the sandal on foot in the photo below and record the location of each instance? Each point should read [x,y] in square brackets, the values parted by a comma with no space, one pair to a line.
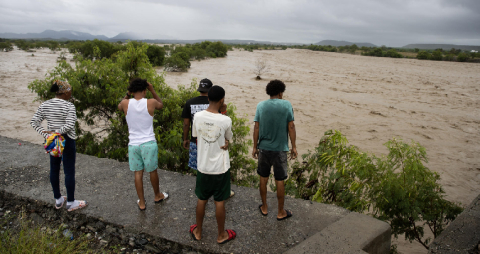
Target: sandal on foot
[138,204]
[231,235]
[260,208]
[60,206]
[81,204]
[289,214]
[193,227]
[165,196]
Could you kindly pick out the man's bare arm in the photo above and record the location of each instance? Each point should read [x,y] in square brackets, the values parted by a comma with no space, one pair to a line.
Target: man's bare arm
[256,130]
[293,136]
[159,105]
[186,129]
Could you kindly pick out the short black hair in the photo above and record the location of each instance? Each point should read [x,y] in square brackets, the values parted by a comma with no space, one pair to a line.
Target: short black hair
[216,93]
[275,87]
[137,85]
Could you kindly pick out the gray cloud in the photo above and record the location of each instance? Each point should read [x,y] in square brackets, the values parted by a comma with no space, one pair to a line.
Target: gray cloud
[382,22]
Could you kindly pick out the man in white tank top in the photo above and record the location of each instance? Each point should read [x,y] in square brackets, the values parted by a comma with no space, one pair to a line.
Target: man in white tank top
[142,145]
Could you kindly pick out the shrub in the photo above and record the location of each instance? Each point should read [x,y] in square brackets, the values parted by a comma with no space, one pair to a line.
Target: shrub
[98,87]
[156,55]
[177,62]
[7,46]
[437,55]
[462,57]
[393,53]
[449,57]
[397,188]
[423,55]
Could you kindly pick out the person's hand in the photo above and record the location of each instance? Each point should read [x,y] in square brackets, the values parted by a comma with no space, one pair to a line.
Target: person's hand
[293,154]
[223,108]
[186,144]
[48,132]
[255,153]
[225,147]
[150,86]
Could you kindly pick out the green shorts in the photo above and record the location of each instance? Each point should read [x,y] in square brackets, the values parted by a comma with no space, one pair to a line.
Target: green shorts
[217,186]
[144,156]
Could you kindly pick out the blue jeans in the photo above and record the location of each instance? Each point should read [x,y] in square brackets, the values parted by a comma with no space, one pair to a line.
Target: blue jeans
[69,154]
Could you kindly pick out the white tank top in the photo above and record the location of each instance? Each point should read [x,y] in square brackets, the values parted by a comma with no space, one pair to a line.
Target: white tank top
[140,123]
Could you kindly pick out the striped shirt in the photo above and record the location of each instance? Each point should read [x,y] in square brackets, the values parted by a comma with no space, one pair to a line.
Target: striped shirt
[60,115]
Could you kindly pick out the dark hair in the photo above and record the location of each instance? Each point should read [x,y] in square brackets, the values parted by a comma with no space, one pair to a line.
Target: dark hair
[137,85]
[54,88]
[275,87]
[216,93]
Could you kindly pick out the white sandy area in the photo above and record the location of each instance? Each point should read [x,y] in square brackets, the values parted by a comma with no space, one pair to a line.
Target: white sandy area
[368,99]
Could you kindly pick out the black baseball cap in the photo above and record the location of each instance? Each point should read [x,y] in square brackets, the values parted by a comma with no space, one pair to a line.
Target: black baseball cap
[205,85]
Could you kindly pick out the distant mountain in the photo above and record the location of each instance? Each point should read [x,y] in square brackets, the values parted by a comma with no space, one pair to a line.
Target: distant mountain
[344,43]
[442,46]
[56,35]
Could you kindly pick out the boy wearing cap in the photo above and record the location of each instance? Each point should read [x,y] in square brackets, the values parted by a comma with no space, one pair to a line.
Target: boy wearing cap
[212,129]
[273,124]
[192,107]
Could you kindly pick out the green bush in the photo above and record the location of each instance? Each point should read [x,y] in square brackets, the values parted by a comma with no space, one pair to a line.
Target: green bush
[462,57]
[397,188]
[423,55]
[156,55]
[449,57]
[7,46]
[177,62]
[98,87]
[393,53]
[437,55]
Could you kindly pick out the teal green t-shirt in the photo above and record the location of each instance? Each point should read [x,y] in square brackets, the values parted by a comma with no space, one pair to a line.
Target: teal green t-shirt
[273,117]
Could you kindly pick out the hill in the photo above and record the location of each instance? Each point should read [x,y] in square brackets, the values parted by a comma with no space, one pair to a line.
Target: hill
[442,46]
[56,35]
[344,43]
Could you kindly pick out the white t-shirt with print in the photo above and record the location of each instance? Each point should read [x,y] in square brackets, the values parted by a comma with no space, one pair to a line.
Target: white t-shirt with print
[211,131]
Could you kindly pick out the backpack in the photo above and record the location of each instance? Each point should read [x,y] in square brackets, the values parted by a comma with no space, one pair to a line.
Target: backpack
[54,145]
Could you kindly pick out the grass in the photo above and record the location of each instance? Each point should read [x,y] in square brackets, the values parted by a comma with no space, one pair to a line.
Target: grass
[17,235]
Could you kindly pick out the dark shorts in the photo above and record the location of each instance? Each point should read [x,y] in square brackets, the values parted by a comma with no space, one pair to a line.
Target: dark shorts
[277,159]
[217,186]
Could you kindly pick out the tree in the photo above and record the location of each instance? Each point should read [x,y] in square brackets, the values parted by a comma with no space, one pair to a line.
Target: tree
[423,55]
[6,46]
[462,57]
[260,68]
[54,45]
[437,55]
[177,62]
[156,55]
[98,86]
[353,48]
[393,53]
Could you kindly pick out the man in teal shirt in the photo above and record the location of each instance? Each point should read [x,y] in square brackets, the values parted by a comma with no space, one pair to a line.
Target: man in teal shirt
[273,124]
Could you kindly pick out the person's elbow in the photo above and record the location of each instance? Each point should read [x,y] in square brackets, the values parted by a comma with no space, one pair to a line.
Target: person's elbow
[159,106]
[291,125]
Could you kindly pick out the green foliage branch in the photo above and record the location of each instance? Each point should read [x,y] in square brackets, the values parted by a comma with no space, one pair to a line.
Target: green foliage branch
[98,86]
[397,188]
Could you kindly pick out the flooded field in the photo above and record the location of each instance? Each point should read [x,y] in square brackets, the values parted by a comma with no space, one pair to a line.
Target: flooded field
[368,99]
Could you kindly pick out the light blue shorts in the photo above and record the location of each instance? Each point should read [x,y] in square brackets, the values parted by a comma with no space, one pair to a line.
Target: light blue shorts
[144,156]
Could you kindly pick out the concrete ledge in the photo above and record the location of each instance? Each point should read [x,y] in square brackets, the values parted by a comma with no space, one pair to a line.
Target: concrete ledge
[108,186]
[462,235]
[354,233]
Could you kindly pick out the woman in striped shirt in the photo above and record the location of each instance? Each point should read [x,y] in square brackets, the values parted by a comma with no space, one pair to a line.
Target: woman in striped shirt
[61,118]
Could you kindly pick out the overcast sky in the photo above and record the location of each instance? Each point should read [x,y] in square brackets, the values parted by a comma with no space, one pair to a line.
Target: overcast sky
[382,22]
